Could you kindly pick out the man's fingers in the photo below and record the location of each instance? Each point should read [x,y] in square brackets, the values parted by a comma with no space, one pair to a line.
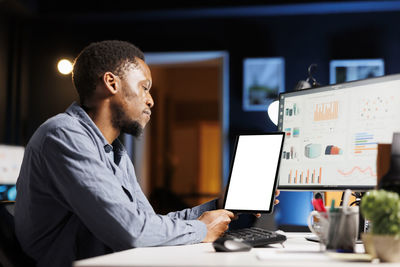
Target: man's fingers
[230,214]
[277,192]
[217,222]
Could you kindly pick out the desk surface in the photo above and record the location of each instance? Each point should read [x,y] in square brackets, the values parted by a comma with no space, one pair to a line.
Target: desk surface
[296,252]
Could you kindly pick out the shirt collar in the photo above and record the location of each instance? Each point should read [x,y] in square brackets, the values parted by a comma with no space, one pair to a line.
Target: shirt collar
[119,150]
[75,110]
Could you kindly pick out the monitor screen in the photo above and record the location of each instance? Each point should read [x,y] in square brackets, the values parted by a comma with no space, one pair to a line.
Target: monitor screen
[332,133]
[10,163]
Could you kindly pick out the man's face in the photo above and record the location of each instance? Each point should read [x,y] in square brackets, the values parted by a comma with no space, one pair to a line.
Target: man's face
[131,107]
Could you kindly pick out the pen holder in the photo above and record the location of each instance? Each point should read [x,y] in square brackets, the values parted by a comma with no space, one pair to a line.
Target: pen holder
[343,229]
[337,229]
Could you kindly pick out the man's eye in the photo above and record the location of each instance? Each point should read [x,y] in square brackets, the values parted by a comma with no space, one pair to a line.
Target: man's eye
[145,88]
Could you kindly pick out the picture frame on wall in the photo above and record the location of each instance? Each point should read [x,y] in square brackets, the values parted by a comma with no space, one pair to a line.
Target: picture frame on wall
[355,69]
[263,80]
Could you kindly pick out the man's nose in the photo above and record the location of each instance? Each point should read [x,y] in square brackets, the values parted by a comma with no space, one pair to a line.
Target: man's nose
[149,101]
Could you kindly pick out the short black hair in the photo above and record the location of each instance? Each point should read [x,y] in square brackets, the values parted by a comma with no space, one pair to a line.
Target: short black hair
[98,58]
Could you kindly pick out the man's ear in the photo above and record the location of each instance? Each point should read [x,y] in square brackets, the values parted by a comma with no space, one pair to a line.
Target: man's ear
[111,82]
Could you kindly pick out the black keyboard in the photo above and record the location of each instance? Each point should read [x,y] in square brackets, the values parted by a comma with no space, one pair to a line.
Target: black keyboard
[255,236]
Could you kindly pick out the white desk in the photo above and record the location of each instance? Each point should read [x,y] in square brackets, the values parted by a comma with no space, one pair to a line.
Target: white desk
[297,252]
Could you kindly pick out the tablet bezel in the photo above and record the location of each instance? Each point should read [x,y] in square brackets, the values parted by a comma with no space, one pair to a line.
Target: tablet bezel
[271,206]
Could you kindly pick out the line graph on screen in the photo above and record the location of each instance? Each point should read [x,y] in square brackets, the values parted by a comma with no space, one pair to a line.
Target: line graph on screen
[355,169]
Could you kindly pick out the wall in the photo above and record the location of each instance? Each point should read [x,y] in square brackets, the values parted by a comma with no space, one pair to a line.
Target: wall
[3,75]
[14,79]
[50,92]
[301,40]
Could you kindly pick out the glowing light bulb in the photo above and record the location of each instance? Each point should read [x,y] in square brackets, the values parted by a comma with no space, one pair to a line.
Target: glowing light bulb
[64,66]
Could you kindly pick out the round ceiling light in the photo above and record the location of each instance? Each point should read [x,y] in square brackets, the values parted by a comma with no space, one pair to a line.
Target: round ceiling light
[64,66]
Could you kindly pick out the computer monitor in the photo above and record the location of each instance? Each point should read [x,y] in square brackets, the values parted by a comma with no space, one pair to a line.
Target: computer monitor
[10,163]
[332,133]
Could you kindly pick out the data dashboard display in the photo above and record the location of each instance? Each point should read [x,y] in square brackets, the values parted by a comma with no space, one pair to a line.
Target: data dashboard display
[332,133]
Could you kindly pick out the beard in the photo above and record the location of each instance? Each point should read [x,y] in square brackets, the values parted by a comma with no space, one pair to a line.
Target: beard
[122,122]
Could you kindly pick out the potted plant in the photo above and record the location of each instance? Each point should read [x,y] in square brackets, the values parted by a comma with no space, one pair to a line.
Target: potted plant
[382,209]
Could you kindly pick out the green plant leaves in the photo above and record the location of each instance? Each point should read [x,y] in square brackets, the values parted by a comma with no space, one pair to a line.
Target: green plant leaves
[382,208]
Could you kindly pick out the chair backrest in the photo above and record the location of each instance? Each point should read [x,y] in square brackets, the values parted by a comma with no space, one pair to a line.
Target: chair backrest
[11,254]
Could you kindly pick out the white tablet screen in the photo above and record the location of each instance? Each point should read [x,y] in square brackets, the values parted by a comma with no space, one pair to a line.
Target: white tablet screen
[254,172]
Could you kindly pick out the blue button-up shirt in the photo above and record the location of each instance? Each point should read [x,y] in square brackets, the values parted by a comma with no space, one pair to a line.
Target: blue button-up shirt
[78,197]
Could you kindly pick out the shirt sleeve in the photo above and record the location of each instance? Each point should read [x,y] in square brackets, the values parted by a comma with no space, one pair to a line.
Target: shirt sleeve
[81,181]
[195,212]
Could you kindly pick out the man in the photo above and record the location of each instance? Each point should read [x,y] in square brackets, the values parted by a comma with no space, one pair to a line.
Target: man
[78,195]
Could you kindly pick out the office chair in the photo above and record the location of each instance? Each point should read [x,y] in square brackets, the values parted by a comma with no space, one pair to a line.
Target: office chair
[11,254]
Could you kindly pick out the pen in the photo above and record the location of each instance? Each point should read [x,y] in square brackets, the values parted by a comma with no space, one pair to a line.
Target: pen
[316,205]
[333,209]
[321,205]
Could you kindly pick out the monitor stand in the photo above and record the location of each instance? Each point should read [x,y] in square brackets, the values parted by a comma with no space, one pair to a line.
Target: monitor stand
[363,225]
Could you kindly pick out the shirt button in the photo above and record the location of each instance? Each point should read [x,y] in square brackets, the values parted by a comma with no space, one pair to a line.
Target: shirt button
[107,148]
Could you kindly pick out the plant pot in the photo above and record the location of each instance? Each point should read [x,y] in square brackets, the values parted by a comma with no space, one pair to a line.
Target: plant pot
[384,247]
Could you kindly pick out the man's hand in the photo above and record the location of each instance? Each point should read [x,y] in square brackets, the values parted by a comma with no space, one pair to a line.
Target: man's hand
[217,222]
[277,192]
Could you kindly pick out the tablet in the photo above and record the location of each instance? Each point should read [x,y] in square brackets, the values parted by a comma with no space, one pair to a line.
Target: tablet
[254,172]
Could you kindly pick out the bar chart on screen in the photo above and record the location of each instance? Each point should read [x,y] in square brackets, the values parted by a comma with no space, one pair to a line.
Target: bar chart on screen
[305,176]
[326,111]
[364,142]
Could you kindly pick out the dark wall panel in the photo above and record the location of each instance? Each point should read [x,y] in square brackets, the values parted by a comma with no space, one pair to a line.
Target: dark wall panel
[3,75]
[301,40]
